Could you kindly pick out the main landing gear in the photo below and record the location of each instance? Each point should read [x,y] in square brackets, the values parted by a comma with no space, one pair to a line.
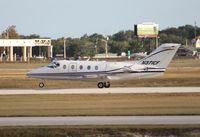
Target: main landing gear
[103,84]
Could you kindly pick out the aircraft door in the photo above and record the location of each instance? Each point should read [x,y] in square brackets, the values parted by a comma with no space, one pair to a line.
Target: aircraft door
[72,67]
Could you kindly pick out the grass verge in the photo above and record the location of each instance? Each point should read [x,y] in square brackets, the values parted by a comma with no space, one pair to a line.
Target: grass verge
[100,104]
[102,131]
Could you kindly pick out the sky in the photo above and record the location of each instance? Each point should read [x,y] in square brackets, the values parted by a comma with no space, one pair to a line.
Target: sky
[74,18]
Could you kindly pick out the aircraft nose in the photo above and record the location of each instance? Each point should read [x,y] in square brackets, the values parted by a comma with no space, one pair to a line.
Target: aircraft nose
[35,72]
[30,73]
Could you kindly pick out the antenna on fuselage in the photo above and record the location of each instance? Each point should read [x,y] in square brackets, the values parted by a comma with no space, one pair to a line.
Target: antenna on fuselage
[88,59]
[54,59]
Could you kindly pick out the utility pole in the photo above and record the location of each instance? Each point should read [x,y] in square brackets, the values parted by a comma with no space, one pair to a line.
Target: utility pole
[6,49]
[106,46]
[7,35]
[157,41]
[195,30]
[95,46]
[64,44]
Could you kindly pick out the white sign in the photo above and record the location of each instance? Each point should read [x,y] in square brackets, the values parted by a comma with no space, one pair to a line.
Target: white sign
[42,42]
[24,42]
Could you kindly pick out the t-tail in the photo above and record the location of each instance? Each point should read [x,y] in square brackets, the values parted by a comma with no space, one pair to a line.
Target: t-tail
[161,57]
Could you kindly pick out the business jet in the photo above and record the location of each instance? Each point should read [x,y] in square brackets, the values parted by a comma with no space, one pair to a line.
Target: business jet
[103,72]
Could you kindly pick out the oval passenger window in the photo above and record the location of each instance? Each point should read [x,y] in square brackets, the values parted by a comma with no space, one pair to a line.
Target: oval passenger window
[88,67]
[64,66]
[80,67]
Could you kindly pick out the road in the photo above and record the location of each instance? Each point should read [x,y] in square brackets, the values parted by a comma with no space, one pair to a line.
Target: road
[100,120]
[102,91]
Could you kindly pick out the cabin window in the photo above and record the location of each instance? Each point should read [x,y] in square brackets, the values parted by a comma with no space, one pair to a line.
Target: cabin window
[72,66]
[57,64]
[80,67]
[54,65]
[64,66]
[88,67]
[96,68]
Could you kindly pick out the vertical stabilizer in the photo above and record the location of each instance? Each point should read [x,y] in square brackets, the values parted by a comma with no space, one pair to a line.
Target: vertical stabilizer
[161,57]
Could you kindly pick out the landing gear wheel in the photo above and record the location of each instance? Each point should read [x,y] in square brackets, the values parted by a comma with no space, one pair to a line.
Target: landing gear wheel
[41,84]
[106,84]
[100,85]
[103,84]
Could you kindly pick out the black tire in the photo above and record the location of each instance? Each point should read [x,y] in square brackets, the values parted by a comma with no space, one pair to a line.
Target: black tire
[100,85]
[106,84]
[41,84]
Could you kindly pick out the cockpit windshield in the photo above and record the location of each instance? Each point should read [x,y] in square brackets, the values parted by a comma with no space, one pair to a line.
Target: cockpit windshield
[54,64]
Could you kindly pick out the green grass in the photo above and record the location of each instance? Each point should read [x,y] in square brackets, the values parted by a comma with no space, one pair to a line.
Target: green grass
[104,104]
[184,63]
[22,65]
[101,131]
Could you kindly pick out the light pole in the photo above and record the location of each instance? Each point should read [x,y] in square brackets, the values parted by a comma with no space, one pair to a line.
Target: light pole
[195,30]
[64,44]
[95,46]
[106,46]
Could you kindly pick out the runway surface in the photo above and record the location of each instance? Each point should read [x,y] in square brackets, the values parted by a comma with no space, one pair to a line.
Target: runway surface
[100,120]
[102,91]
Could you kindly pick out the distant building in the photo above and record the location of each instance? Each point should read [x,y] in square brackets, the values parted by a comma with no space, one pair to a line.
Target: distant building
[103,55]
[185,51]
[25,46]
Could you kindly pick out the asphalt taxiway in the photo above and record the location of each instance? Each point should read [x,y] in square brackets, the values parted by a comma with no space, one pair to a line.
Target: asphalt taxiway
[100,120]
[101,91]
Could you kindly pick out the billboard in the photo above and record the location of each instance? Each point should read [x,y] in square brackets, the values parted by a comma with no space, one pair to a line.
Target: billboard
[198,43]
[146,30]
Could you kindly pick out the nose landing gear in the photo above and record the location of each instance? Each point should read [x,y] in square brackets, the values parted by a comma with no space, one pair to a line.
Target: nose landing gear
[41,84]
[103,84]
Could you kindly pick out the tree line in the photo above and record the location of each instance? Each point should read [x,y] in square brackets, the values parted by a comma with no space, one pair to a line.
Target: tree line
[89,45]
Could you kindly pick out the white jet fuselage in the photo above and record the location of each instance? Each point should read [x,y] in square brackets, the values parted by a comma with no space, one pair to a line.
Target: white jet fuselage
[90,70]
[152,65]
